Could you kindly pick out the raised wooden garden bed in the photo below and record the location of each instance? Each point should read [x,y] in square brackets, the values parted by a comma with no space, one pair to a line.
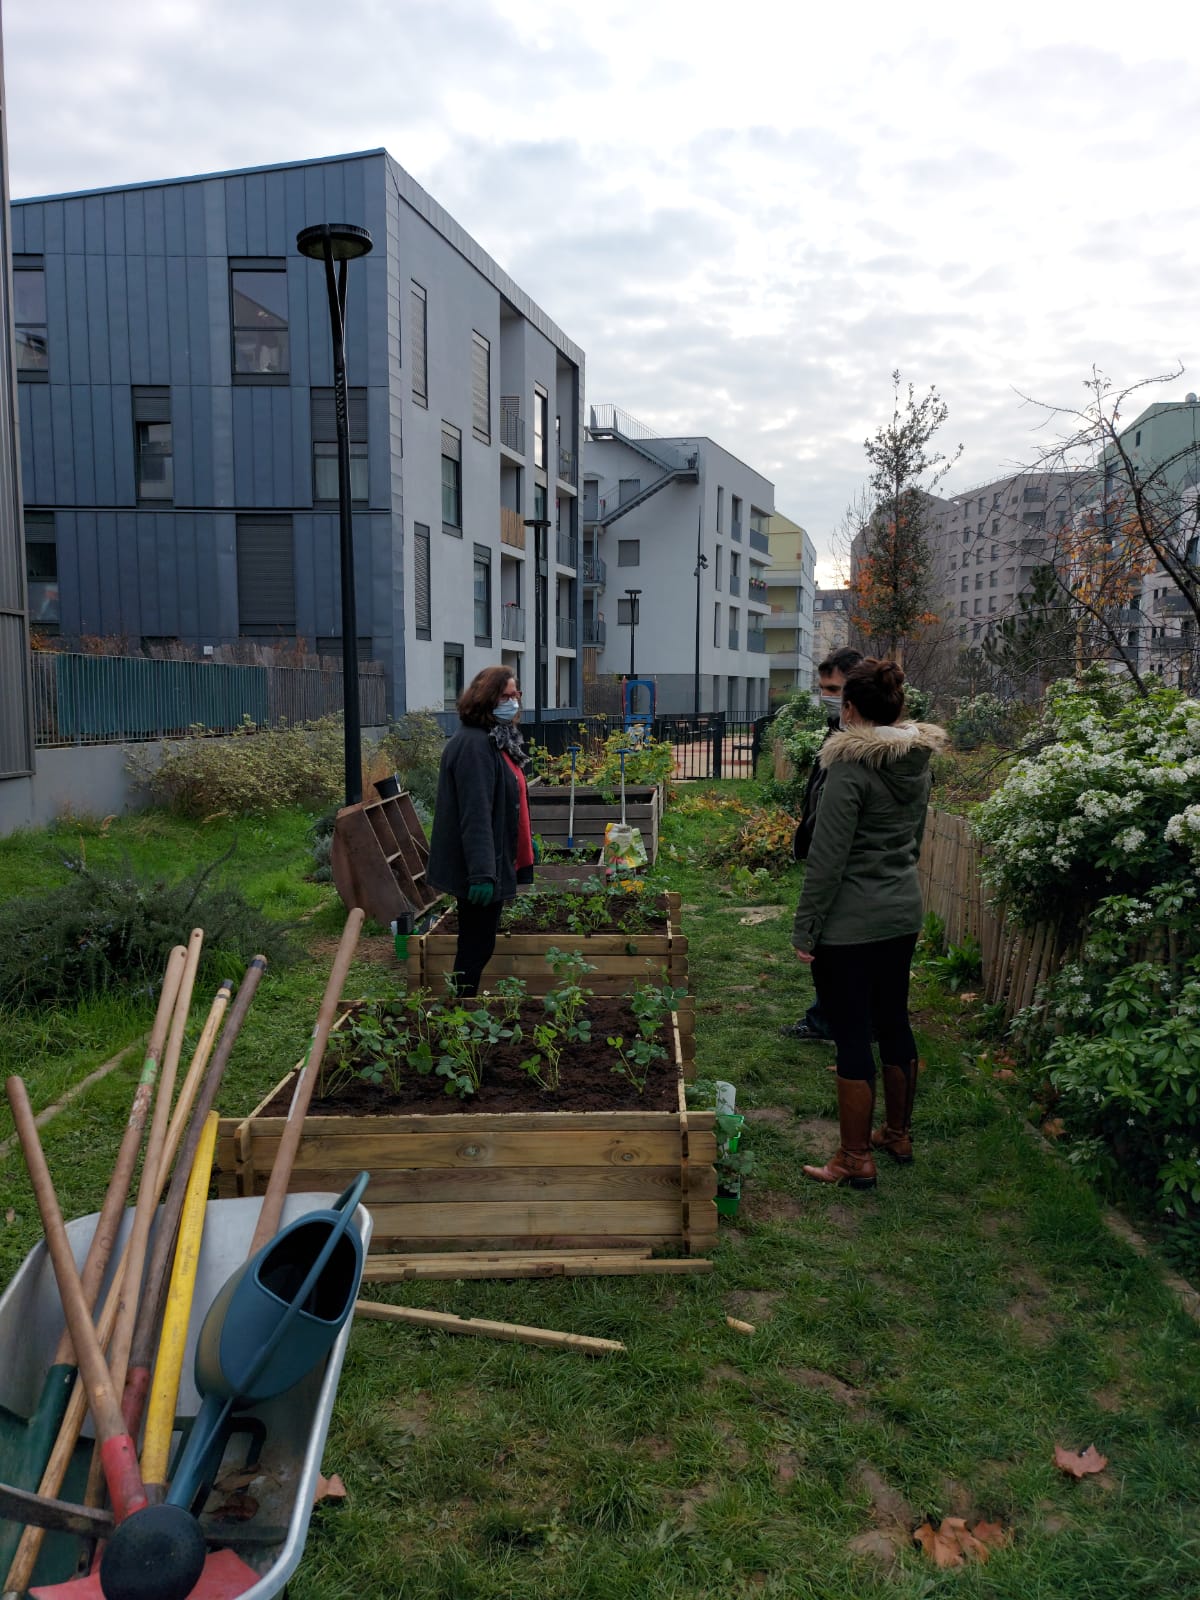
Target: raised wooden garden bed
[479,1181]
[549,812]
[619,958]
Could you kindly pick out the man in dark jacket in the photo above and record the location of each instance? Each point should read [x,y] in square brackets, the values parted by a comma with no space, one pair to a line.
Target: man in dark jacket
[831,675]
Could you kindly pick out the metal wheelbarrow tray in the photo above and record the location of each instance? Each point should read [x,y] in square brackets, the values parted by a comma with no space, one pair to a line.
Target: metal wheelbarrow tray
[290,1429]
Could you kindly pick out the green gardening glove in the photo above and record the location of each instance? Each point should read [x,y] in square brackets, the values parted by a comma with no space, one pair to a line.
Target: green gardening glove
[480,894]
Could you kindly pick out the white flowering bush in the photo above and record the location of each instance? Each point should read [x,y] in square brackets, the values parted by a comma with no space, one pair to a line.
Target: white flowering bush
[1100,833]
[1110,805]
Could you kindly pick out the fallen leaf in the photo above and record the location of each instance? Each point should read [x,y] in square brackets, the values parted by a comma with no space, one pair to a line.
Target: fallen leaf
[1053,1128]
[968,997]
[329,1489]
[953,1544]
[1004,1075]
[1079,1466]
[237,1508]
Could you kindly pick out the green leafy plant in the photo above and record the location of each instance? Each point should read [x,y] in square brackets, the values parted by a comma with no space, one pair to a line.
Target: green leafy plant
[961,965]
[635,1058]
[251,772]
[412,747]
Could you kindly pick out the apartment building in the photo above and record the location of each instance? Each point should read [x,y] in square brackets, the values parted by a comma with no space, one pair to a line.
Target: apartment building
[986,542]
[831,622]
[791,589]
[178,435]
[675,553]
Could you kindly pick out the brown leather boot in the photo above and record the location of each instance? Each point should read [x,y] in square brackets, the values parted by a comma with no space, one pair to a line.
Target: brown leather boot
[899,1092]
[853,1164]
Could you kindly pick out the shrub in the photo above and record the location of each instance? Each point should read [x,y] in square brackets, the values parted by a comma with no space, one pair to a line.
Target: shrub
[253,772]
[106,930]
[412,748]
[984,719]
[918,703]
[763,841]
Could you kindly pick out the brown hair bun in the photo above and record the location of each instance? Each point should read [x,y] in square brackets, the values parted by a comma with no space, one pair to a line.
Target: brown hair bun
[876,690]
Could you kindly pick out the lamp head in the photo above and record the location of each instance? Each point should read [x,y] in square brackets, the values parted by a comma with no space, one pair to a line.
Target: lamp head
[347,241]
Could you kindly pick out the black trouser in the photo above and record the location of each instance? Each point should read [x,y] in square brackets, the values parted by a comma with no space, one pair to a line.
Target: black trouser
[864,991]
[477,930]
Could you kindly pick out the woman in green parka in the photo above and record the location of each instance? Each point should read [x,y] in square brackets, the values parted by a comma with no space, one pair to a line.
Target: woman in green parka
[860,911]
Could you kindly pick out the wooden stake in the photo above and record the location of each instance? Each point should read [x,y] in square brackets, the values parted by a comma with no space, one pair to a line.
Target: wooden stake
[445,1322]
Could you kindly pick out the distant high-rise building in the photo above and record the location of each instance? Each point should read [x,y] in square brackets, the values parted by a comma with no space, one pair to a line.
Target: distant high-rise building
[791,587]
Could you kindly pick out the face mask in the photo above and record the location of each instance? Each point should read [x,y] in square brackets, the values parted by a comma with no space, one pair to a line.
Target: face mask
[506,710]
[831,705]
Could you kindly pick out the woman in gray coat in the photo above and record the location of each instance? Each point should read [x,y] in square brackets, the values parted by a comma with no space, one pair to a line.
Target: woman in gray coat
[482,843]
[860,911]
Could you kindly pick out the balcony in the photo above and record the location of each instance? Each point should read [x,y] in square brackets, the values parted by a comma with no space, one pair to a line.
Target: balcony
[512,424]
[595,631]
[788,660]
[566,465]
[512,528]
[756,641]
[567,550]
[512,622]
[595,571]
[757,591]
[735,532]
[784,619]
[1172,603]
[733,639]
[565,632]
[760,542]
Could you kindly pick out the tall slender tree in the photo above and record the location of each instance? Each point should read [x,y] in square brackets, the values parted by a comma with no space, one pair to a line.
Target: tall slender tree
[890,551]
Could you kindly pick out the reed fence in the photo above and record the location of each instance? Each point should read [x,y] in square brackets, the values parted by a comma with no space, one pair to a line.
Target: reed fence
[1016,960]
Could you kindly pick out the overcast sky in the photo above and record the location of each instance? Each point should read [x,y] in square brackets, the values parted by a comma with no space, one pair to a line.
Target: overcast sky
[747,214]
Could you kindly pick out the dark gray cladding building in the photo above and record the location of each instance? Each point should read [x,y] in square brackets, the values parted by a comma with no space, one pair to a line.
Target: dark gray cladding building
[177,430]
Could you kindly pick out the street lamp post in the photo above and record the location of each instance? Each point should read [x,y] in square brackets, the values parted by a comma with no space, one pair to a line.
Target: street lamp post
[701,564]
[342,242]
[539,526]
[633,595]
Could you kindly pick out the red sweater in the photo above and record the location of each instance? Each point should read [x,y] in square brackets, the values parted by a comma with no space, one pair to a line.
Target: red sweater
[524,830]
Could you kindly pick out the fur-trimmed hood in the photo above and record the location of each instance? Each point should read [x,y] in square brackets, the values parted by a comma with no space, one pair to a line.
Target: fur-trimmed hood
[878,746]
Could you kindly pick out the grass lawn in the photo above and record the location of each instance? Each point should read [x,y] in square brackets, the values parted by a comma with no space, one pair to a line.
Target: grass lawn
[919,1349]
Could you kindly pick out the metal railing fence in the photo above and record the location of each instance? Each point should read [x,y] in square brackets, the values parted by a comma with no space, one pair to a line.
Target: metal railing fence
[82,699]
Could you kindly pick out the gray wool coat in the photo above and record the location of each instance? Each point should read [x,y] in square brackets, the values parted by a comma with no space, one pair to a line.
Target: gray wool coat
[475,817]
[861,884]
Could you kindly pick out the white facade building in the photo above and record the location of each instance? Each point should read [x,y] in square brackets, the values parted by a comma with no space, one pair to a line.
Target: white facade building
[651,508]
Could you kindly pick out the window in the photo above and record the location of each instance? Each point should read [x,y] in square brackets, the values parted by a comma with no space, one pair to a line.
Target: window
[260,319]
[29,316]
[720,509]
[483,594]
[418,317]
[995,552]
[625,613]
[735,516]
[953,563]
[324,445]
[991,580]
[1034,519]
[979,580]
[978,607]
[965,585]
[421,581]
[266,578]
[452,675]
[41,571]
[152,444]
[451,479]
[1137,438]
[629,552]
[1033,494]
[717,624]
[481,388]
[991,602]
[718,556]
[962,608]
[541,413]
[627,488]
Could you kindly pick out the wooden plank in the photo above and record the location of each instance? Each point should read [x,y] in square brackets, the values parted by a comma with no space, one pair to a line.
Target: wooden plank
[512,1264]
[537,1219]
[395,1239]
[504,1186]
[633,1253]
[336,1147]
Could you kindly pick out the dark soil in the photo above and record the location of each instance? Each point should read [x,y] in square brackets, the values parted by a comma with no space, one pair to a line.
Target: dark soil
[587,1081]
[562,914]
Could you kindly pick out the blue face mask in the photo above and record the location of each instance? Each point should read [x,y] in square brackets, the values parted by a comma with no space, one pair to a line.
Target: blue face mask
[506,710]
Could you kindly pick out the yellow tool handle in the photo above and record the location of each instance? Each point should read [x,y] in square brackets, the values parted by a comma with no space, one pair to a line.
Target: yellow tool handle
[164,1388]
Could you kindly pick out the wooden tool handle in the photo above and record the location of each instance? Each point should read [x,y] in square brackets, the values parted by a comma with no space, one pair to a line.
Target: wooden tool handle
[92,1365]
[289,1143]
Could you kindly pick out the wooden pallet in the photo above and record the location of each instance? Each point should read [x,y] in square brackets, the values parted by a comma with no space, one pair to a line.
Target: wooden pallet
[379,856]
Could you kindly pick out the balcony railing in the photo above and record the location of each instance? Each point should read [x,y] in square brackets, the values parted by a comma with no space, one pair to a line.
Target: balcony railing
[512,424]
[735,583]
[733,639]
[595,571]
[756,641]
[512,528]
[757,588]
[735,532]
[566,465]
[784,619]
[512,622]
[567,550]
[786,659]
[595,631]
[565,628]
[759,541]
